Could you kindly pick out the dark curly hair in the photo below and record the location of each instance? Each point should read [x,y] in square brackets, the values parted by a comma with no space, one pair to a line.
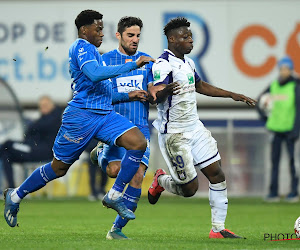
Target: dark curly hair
[176,23]
[87,17]
[128,21]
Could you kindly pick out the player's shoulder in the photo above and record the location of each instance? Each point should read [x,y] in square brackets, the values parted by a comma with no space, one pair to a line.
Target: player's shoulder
[140,53]
[164,57]
[163,62]
[85,44]
[109,54]
[81,46]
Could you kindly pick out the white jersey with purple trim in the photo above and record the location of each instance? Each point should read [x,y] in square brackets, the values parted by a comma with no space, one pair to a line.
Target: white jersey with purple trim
[179,112]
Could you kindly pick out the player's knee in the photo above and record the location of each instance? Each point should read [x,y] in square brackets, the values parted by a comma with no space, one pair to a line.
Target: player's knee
[141,144]
[216,175]
[60,172]
[112,170]
[59,168]
[190,189]
[219,177]
[190,192]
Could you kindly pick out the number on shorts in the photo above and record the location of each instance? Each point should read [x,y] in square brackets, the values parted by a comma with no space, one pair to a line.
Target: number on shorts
[178,161]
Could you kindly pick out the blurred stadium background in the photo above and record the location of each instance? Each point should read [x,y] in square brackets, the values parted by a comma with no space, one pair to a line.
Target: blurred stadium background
[236,46]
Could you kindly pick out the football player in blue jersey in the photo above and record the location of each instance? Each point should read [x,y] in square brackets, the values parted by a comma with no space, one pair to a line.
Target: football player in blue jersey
[88,115]
[130,100]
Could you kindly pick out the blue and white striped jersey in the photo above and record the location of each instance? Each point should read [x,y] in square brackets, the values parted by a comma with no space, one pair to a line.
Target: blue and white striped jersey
[88,95]
[136,111]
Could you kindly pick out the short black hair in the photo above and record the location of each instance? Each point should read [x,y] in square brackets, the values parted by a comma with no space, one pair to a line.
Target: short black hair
[176,23]
[87,17]
[128,21]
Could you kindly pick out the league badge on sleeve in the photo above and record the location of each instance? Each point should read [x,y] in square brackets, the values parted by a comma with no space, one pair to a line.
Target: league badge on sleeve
[156,75]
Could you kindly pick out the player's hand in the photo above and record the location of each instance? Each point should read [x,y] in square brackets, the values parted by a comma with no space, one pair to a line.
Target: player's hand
[138,95]
[242,98]
[142,60]
[163,91]
[173,88]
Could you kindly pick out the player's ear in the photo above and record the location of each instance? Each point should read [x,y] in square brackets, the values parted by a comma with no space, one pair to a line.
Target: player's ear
[171,39]
[118,35]
[82,30]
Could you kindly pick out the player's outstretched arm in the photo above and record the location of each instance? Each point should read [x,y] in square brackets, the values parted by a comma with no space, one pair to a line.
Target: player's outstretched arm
[160,93]
[97,73]
[137,95]
[205,88]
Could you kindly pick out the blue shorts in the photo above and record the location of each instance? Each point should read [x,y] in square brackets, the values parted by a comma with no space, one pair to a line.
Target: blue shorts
[115,153]
[80,126]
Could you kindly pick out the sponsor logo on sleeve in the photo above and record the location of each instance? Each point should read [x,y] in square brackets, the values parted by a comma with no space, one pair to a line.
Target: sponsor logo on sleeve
[81,52]
[156,75]
[190,78]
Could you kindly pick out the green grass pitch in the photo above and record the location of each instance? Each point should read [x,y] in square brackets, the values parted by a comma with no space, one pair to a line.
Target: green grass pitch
[173,223]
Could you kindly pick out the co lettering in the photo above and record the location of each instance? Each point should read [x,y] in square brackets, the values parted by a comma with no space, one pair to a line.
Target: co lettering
[292,49]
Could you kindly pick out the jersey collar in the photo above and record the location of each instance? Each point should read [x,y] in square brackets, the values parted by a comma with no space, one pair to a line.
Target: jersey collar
[83,40]
[125,54]
[170,52]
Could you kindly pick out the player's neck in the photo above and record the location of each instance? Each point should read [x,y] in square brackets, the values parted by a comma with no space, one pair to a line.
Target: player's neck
[176,53]
[121,49]
[81,36]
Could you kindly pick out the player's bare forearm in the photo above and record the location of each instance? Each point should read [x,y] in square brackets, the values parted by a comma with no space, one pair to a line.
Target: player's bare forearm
[158,93]
[151,92]
[152,98]
[161,92]
[138,95]
[162,95]
[205,88]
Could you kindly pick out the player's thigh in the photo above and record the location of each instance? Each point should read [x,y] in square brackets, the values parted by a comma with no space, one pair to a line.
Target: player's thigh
[77,130]
[203,148]
[118,130]
[132,139]
[176,151]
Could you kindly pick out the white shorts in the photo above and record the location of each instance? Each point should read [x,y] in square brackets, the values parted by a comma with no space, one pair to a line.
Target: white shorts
[183,151]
